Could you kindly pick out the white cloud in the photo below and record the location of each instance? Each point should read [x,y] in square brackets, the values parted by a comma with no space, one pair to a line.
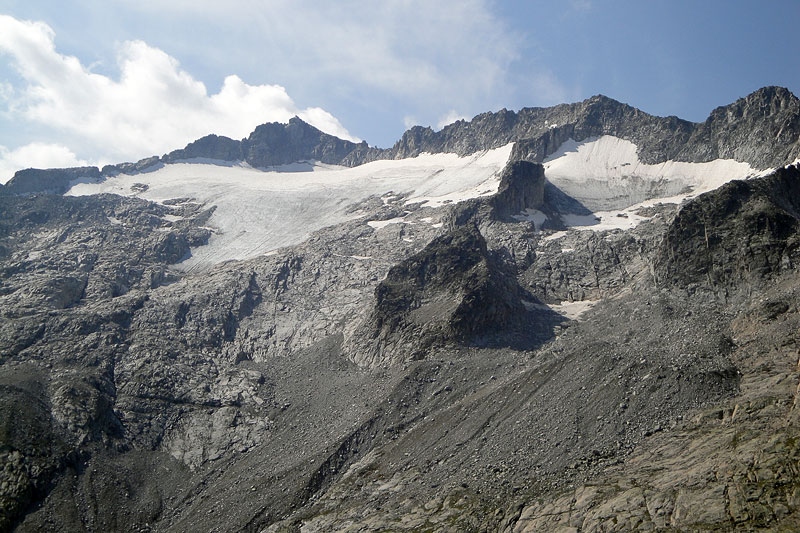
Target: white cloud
[449,118]
[36,155]
[429,56]
[153,107]
[410,121]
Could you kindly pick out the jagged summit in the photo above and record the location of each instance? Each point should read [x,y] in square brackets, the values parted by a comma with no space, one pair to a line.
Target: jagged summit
[540,131]
[769,100]
[760,129]
[271,144]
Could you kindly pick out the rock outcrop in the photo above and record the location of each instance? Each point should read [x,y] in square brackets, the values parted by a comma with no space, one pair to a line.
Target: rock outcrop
[54,181]
[451,291]
[737,236]
[521,187]
[270,145]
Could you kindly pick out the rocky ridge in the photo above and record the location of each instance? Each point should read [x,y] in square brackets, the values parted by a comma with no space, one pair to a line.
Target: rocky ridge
[761,129]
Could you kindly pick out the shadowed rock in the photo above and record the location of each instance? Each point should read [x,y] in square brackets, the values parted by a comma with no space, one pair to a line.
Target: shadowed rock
[745,231]
[56,180]
[453,291]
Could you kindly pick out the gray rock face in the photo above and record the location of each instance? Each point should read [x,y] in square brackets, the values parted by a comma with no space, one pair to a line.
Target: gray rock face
[55,181]
[143,165]
[521,187]
[761,129]
[211,147]
[276,144]
[737,236]
[419,375]
[451,291]
[270,145]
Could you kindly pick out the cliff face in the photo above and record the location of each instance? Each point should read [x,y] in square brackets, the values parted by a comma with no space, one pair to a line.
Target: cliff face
[453,291]
[742,233]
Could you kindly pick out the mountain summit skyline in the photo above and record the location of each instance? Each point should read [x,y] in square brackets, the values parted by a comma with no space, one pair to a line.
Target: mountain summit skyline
[581,317]
[766,112]
[103,83]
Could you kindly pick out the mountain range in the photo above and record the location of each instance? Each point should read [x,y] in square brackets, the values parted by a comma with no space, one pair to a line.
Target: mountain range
[574,318]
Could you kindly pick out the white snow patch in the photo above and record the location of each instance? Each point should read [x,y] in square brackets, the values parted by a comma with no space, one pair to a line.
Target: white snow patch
[437,225]
[172,218]
[115,221]
[556,235]
[258,211]
[532,215]
[298,166]
[573,310]
[378,224]
[604,220]
[605,174]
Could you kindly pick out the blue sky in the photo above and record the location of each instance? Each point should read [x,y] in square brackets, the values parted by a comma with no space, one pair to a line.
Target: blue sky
[92,82]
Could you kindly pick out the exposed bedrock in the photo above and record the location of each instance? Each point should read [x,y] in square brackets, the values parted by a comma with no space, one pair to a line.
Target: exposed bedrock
[453,291]
[521,187]
[54,180]
[735,237]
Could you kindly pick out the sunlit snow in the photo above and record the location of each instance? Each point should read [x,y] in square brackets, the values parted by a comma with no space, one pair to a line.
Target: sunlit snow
[605,174]
[260,210]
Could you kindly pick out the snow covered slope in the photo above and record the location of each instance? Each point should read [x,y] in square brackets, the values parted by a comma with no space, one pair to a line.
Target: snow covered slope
[260,210]
[605,174]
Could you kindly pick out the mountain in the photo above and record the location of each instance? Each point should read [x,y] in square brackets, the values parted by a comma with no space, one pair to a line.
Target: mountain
[761,129]
[576,318]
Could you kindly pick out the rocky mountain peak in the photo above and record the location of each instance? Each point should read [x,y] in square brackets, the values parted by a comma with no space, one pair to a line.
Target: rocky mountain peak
[271,144]
[54,180]
[760,129]
[765,103]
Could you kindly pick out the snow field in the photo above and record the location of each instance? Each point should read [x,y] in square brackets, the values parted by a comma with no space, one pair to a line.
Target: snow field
[605,174]
[260,210]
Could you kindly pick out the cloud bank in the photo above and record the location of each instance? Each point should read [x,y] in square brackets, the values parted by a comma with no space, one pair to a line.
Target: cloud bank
[421,58]
[45,155]
[153,107]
